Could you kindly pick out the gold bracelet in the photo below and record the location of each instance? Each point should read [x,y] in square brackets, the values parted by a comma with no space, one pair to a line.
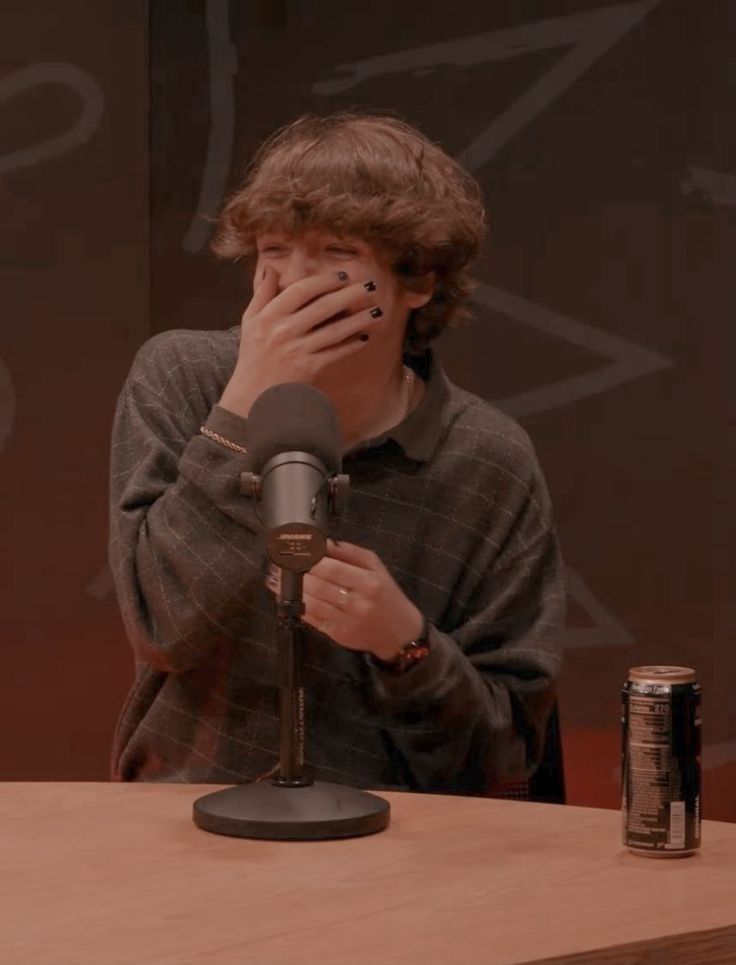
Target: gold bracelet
[221,439]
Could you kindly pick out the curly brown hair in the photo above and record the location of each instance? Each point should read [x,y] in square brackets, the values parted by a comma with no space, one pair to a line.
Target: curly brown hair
[374,177]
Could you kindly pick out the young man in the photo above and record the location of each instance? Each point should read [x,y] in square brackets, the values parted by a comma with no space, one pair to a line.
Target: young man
[431,654]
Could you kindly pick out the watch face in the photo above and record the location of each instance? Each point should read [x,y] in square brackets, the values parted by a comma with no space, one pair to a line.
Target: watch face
[413,653]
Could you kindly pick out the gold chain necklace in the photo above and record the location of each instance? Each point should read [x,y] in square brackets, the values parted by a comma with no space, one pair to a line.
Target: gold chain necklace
[410,380]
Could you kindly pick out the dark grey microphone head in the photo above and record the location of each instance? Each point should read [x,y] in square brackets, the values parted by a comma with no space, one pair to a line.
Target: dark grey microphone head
[293,417]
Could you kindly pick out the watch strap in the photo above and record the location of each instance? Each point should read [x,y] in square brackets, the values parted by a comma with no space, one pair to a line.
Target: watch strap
[410,654]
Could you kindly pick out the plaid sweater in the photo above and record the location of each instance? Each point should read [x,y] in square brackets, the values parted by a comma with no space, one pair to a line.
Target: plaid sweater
[453,502]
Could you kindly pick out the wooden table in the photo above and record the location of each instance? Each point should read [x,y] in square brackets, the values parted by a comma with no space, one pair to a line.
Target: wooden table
[96,874]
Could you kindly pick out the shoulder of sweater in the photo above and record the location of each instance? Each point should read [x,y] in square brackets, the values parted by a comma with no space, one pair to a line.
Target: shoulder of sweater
[182,352]
[485,426]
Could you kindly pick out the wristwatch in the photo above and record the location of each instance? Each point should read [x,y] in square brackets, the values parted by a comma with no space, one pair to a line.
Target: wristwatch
[410,654]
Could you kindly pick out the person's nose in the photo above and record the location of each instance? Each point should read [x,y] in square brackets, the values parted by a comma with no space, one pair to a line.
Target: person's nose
[299,264]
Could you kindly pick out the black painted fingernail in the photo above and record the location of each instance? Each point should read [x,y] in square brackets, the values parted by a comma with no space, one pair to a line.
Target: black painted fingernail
[364,336]
[376,313]
[369,286]
[342,275]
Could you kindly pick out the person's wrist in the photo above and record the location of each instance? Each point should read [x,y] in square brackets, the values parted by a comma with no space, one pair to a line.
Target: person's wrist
[412,629]
[235,399]
[412,652]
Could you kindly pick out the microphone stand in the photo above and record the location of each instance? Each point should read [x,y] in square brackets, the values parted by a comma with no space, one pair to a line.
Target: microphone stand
[291,806]
[289,610]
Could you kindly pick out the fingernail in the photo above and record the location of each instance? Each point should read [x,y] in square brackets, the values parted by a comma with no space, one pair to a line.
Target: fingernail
[369,286]
[376,313]
[342,275]
[364,336]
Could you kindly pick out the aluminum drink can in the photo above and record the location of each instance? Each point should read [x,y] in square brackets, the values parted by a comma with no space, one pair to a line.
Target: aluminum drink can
[660,766]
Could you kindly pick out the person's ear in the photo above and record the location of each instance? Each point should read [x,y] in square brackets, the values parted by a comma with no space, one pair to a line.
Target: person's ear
[418,299]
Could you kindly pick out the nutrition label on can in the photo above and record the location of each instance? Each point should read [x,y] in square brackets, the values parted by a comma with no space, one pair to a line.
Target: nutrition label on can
[650,720]
[650,777]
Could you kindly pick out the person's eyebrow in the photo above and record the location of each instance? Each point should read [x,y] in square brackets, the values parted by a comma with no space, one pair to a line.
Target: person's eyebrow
[271,237]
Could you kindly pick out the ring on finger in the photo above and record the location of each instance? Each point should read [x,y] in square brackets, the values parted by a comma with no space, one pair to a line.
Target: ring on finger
[344,597]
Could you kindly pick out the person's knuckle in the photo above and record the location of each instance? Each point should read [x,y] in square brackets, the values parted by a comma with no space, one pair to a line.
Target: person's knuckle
[372,587]
[279,329]
[309,364]
[257,342]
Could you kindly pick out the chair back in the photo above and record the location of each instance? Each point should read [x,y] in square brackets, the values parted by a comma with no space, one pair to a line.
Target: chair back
[547,784]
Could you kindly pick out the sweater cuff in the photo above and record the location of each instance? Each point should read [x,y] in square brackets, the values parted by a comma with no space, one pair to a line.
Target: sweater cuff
[215,468]
[419,685]
[228,425]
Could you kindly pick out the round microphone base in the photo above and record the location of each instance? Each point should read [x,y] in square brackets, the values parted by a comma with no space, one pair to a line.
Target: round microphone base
[309,813]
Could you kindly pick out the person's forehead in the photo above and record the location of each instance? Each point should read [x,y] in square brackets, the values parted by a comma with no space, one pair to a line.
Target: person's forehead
[313,233]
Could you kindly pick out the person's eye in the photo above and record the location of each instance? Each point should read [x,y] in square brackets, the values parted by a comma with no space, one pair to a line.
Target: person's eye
[272,250]
[341,250]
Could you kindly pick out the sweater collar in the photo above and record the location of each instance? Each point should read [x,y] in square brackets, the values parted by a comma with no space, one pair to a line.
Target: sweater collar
[419,433]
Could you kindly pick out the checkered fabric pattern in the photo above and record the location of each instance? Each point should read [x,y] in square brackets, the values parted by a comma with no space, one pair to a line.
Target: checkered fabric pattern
[453,502]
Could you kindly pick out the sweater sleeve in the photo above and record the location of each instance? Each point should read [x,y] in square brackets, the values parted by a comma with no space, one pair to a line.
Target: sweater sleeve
[472,716]
[183,549]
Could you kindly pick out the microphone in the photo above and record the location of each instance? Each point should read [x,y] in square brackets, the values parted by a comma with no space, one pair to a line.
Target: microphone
[295,446]
[294,443]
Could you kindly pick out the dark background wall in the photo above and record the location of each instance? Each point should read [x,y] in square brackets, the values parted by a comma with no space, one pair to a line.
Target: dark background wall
[603,139]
